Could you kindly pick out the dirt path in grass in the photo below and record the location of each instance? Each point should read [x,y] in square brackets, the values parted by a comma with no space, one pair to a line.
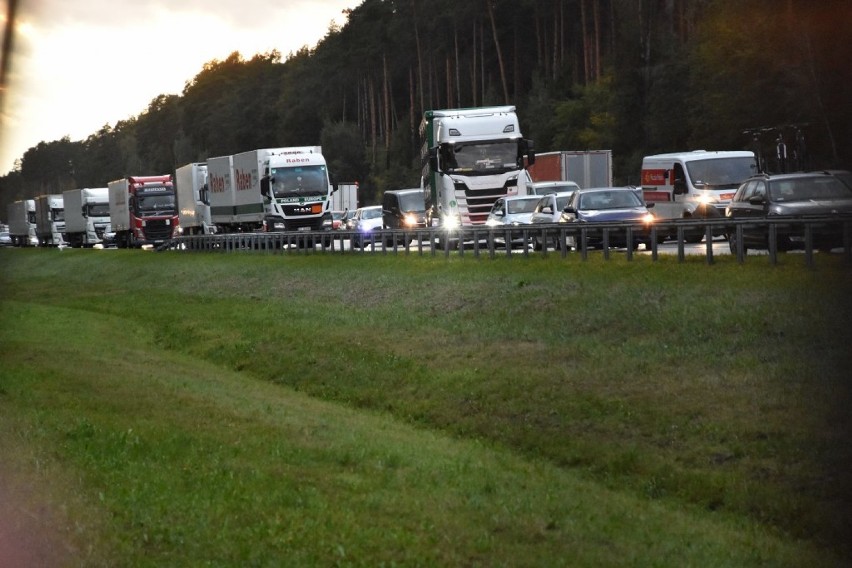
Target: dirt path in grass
[28,536]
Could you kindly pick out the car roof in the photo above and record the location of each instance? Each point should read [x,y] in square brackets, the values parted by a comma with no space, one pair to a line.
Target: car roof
[793,175]
[591,189]
[550,183]
[521,197]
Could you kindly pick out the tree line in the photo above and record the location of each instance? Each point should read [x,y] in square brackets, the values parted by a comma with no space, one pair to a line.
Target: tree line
[633,76]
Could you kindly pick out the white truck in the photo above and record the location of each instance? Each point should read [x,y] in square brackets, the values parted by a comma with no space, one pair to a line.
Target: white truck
[86,216]
[50,220]
[22,222]
[271,189]
[587,168]
[193,199]
[694,185]
[471,157]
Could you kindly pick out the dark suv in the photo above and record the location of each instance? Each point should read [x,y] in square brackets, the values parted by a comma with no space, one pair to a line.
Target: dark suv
[404,209]
[800,195]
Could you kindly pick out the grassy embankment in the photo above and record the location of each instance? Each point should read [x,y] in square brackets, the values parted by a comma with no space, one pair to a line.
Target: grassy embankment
[176,409]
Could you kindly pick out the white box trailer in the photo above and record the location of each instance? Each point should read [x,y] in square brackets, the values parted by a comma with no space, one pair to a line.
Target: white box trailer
[86,215]
[50,220]
[220,175]
[345,197]
[22,225]
[193,199]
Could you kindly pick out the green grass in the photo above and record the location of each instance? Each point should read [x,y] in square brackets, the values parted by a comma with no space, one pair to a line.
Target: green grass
[255,409]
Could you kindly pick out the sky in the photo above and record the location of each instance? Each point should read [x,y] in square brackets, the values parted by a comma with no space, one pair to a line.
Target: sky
[80,64]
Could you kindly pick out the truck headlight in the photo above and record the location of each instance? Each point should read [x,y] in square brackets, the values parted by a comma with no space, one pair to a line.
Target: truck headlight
[451,222]
[409,220]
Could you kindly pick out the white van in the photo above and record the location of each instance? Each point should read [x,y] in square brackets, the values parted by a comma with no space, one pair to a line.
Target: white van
[694,184]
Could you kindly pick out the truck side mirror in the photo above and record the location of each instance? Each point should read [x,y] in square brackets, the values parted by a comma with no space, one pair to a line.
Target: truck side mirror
[264,186]
[203,194]
[433,159]
[530,147]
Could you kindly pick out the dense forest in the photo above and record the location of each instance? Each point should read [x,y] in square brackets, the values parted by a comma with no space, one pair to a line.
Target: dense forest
[633,76]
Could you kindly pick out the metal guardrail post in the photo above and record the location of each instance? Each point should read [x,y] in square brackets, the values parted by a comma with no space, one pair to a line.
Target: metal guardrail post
[654,251]
[809,245]
[629,240]
[681,253]
[773,243]
[708,240]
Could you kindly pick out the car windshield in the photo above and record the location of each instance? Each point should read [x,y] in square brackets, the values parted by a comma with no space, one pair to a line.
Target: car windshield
[609,200]
[412,202]
[808,188]
[371,213]
[561,202]
[480,158]
[555,188]
[299,181]
[515,206]
[721,172]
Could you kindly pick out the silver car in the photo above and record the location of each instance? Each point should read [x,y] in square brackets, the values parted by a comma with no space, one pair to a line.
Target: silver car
[512,211]
[365,221]
[548,210]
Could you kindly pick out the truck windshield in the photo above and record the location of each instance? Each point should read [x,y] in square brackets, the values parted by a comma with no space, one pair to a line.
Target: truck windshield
[58,214]
[159,203]
[97,210]
[299,181]
[480,158]
[727,173]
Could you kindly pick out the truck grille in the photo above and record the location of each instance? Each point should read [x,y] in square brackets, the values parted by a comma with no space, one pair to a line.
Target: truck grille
[479,201]
[158,230]
[294,223]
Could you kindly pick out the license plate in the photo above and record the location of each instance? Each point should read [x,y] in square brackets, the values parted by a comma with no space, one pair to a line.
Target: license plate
[304,229]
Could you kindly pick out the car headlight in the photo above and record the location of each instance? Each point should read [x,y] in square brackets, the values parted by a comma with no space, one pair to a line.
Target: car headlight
[648,218]
[707,199]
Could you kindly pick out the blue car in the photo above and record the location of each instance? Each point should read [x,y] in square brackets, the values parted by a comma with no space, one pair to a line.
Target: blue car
[609,205]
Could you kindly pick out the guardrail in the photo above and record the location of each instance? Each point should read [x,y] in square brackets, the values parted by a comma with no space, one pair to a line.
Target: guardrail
[810,234]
